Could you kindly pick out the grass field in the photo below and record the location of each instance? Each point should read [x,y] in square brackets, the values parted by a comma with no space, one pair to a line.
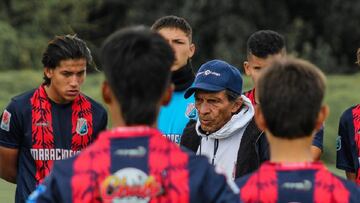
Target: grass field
[342,92]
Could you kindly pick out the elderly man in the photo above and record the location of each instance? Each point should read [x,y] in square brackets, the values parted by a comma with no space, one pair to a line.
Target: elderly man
[224,116]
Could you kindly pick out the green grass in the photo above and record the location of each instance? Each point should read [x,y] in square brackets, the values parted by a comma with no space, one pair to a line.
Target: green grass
[7,191]
[342,92]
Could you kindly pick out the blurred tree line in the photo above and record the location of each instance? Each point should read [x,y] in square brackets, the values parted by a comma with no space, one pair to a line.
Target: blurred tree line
[323,31]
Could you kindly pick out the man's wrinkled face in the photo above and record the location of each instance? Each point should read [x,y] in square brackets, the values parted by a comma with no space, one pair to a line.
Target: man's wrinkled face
[214,109]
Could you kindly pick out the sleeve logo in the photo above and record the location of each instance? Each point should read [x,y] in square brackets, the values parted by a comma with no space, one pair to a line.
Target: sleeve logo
[5,121]
[338,143]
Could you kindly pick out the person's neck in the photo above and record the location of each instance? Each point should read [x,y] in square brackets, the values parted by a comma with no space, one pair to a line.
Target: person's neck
[287,151]
[183,77]
[52,95]
[118,120]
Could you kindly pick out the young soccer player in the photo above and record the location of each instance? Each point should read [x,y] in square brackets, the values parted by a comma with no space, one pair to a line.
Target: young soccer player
[294,89]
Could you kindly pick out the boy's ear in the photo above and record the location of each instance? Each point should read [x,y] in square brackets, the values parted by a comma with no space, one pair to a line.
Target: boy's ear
[322,116]
[246,68]
[48,72]
[166,98]
[192,50]
[259,118]
[106,92]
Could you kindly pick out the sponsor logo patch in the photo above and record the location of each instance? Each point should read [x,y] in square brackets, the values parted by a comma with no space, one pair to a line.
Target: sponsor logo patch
[5,121]
[44,124]
[338,143]
[140,151]
[81,126]
[129,185]
[305,185]
[191,111]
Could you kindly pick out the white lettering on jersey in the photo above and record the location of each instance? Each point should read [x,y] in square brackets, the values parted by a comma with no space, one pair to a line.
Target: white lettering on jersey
[52,154]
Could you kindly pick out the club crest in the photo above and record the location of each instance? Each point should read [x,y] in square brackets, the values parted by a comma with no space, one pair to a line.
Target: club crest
[82,126]
[5,121]
[191,112]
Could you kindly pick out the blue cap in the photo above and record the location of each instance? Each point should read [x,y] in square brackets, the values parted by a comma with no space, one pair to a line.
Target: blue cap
[215,76]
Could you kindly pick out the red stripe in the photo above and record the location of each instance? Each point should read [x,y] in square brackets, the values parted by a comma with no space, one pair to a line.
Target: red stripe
[81,108]
[168,164]
[356,120]
[261,187]
[328,188]
[89,170]
[42,135]
[251,95]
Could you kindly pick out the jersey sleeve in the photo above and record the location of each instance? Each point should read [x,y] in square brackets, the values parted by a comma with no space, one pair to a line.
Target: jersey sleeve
[46,192]
[318,138]
[104,121]
[101,121]
[344,153]
[10,127]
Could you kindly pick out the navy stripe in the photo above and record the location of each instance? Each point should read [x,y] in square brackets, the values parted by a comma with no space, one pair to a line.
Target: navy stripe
[296,187]
[130,152]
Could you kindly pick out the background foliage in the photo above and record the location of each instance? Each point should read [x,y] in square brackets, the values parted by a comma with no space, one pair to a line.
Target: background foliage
[323,31]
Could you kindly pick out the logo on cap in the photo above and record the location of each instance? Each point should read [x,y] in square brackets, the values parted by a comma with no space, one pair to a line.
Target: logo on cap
[208,72]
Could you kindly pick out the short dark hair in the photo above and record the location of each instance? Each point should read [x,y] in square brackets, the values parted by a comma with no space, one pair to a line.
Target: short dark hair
[291,93]
[136,63]
[172,21]
[264,43]
[62,48]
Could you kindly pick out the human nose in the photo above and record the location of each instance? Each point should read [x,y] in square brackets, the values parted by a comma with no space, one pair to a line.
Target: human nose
[74,80]
[203,108]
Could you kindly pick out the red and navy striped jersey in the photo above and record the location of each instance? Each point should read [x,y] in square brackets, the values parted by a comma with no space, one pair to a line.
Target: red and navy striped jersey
[40,140]
[296,182]
[348,142]
[134,164]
